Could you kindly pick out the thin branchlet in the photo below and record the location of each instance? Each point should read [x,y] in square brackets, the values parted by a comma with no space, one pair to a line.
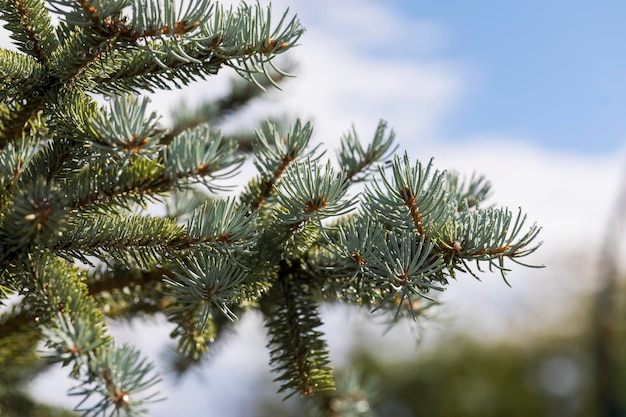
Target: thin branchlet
[411,202]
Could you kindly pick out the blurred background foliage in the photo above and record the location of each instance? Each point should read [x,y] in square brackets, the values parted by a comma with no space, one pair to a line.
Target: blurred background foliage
[553,373]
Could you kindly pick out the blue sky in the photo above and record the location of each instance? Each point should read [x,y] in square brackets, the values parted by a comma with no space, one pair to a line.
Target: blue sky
[551,71]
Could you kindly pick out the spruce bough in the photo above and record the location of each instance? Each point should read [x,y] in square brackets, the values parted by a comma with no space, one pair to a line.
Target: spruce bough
[78,247]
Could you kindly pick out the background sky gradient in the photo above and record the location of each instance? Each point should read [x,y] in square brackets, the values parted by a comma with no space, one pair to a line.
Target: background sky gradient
[553,72]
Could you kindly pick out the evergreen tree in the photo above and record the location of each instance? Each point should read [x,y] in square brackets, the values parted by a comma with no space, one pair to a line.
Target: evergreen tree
[78,247]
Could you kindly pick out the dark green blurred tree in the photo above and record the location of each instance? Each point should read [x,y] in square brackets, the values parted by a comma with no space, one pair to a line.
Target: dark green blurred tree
[463,378]
[570,371]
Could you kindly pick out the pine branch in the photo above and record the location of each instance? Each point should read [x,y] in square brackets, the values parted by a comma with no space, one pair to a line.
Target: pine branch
[136,69]
[199,156]
[15,115]
[53,161]
[90,12]
[469,193]
[76,178]
[37,216]
[488,236]
[82,49]
[13,158]
[103,187]
[414,198]
[125,128]
[20,74]
[30,27]
[206,282]
[119,278]
[195,344]
[406,265]
[220,225]
[55,286]
[273,154]
[390,270]
[359,162]
[169,51]
[310,193]
[120,379]
[195,348]
[215,112]
[298,353]
[76,334]
[346,258]
[132,240]
[207,295]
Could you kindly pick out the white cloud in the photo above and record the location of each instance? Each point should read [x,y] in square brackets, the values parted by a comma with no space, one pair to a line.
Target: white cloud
[562,191]
[351,70]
